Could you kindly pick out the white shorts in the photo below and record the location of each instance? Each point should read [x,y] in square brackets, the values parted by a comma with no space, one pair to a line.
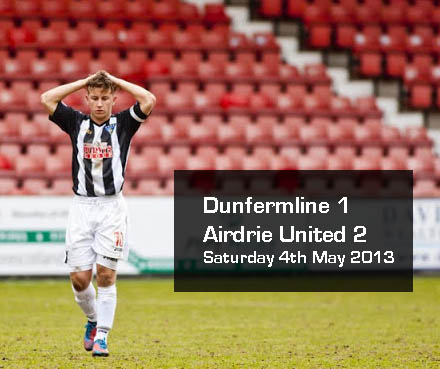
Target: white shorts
[96,232]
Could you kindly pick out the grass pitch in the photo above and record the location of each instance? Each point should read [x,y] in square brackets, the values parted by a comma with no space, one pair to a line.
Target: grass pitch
[41,327]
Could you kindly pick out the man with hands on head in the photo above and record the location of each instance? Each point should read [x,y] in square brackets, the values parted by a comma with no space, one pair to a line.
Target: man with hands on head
[98,218]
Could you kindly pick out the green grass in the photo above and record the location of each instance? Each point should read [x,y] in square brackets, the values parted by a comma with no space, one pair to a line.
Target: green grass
[42,327]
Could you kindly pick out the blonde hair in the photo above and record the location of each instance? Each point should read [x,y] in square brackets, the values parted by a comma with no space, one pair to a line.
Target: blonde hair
[100,80]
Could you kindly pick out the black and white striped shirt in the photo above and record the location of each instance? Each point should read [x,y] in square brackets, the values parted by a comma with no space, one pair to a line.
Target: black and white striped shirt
[100,152]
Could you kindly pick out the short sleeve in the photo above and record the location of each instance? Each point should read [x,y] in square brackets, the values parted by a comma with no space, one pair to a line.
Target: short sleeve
[65,117]
[132,118]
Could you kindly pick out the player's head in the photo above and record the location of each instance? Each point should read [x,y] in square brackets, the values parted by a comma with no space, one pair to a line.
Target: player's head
[100,96]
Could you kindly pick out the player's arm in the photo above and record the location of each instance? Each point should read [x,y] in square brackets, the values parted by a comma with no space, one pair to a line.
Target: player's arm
[52,97]
[145,98]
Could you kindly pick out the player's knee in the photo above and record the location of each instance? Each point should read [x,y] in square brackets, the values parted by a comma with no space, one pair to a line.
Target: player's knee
[106,277]
[79,281]
[79,285]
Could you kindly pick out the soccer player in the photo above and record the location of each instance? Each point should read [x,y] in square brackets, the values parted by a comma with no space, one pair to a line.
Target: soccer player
[97,223]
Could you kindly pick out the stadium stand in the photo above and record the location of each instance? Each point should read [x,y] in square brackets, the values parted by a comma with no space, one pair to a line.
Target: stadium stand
[224,100]
[397,39]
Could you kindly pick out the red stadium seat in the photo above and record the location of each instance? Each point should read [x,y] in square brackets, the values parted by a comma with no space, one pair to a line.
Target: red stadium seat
[150,132]
[318,151]
[288,102]
[311,133]
[420,165]
[148,187]
[30,130]
[168,163]
[375,152]
[319,35]
[366,163]
[391,163]
[215,13]
[178,100]
[46,37]
[338,162]
[235,155]
[213,39]
[421,39]
[61,187]
[175,131]
[395,64]
[64,152]
[11,151]
[418,14]
[188,12]
[107,9]
[296,8]
[235,69]
[25,164]
[38,151]
[390,134]
[164,10]
[315,71]
[364,133]
[8,99]
[339,13]
[392,13]
[223,162]
[416,134]
[57,165]
[306,162]
[136,8]
[139,165]
[43,67]
[424,152]
[399,153]
[200,162]
[291,154]
[345,34]
[5,163]
[34,186]
[20,36]
[421,96]
[365,104]
[316,13]
[54,8]
[395,39]
[260,132]
[252,162]
[181,68]
[75,37]
[82,9]
[7,186]
[73,67]
[371,64]
[426,188]
[271,8]
[368,39]
[202,133]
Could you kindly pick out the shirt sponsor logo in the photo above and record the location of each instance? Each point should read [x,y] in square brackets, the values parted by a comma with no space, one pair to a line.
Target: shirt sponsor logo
[97,150]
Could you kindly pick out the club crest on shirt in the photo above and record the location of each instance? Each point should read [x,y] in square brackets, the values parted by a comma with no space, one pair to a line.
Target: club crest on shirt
[97,150]
[109,128]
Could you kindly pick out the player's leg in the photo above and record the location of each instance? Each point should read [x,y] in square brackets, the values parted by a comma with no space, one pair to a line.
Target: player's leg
[80,257]
[85,296]
[106,302]
[110,246]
